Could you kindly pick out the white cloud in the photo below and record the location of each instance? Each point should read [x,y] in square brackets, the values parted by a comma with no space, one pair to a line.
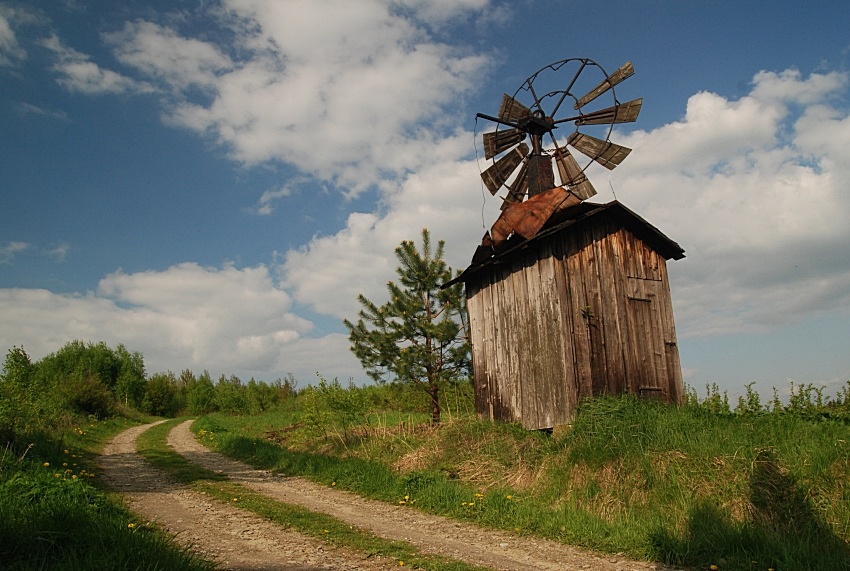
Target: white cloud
[349,93]
[11,51]
[159,52]
[270,197]
[30,109]
[445,197]
[752,189]
[226,320]
[59,252]
[78,73]
[440,12]
[10,249]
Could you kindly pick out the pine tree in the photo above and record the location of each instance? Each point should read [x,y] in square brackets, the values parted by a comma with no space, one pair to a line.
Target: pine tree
[419,335]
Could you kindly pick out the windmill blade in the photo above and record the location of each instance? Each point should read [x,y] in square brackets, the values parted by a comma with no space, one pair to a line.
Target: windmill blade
[572,175]
[621,113]
[518,188]
[625,71]
[606,153]
[500,141]
[512,110]
[495,176]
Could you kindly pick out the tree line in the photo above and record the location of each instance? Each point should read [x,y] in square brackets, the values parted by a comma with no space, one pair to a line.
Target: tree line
[93,379]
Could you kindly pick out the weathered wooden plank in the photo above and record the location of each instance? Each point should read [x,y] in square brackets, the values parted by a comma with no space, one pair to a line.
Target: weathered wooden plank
[501,381]
[562,368]
[568,397]
[532,365]
[511,341]
[616,332]
[676,390]
[476,308]
[547,364]
[582,281]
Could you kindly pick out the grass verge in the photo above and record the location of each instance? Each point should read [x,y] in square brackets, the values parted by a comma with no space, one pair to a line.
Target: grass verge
[153,446]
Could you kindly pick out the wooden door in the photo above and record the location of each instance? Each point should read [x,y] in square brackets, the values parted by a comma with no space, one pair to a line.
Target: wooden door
[645,351]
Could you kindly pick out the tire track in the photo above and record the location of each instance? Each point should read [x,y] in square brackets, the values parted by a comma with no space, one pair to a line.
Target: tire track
[432,534]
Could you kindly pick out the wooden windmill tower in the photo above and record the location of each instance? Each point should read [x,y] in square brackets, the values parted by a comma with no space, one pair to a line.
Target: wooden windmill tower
[567,299]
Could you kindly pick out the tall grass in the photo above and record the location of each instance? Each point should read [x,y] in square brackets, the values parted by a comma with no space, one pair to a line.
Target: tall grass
[697,485]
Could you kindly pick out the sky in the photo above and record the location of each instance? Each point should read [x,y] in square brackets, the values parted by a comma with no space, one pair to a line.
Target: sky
[213,182]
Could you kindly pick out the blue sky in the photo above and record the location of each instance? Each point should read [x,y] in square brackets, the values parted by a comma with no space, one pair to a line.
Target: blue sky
[213,183]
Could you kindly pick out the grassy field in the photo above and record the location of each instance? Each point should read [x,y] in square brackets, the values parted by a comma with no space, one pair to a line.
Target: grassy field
[755,488]
[698,485]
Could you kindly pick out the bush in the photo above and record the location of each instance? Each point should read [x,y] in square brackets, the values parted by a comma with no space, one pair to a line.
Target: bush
[331,408]
[161,395]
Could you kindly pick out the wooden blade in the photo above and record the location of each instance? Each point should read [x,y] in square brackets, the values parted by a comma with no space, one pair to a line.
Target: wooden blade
[500,141]
[495,176]
[606,153]
[518,188]
[623,113]
[512,110]
[572,175]
[625,71]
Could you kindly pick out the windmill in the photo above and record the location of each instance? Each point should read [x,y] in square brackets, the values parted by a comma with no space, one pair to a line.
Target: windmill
[556,96]
[567,299]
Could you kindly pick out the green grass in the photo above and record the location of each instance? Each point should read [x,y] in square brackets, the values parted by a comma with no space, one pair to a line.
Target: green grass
[152,445]
[679,485]
[53,516]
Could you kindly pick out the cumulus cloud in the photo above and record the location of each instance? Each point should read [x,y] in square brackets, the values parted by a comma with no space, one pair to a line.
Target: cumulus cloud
[752,188]
[330,271]
[348,93]
[227,320]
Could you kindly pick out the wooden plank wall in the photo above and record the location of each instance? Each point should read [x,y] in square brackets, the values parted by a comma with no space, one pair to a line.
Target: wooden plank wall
[583,313]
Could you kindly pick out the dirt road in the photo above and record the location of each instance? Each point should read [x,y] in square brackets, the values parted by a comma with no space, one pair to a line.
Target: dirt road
[239,540]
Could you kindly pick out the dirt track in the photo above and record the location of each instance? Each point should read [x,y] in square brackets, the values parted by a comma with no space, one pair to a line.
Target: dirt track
[239,540]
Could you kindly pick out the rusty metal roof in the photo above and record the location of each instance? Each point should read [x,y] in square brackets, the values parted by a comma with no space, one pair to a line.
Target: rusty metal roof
[486,256]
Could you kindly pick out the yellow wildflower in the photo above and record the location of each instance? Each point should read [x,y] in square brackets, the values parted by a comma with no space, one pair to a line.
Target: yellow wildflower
[131,525]
[47,464]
